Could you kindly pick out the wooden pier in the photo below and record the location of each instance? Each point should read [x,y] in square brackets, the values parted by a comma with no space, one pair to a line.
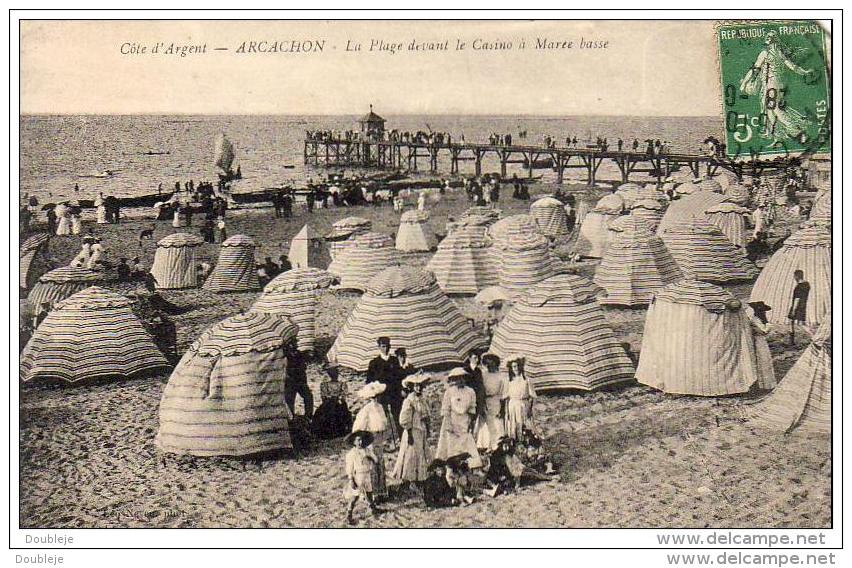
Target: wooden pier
[411,156]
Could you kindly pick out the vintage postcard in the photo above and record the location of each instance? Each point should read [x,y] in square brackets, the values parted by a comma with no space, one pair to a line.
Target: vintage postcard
[520,273]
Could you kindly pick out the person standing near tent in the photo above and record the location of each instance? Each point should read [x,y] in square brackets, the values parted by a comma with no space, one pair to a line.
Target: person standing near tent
[97,253]
[474,381]
[296,382]
[101,209]
[384,369]
[413,459]
[82,258]
[756,312]
[799,306]
[458,414]
[76,220]
[496,386]
[521,397]
[421,201]
[361,464]
[332,419]
[372,418]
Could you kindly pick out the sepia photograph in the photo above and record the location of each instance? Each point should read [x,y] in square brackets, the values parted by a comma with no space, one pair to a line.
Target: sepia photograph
[424,273]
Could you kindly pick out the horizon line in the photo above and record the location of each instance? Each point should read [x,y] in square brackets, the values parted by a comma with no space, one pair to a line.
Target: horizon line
[500,115]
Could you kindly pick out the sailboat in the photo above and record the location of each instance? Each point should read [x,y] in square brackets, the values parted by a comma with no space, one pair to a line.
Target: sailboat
[224,158]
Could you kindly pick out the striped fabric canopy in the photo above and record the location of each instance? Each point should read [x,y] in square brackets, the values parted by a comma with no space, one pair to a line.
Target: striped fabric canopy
[33,259]
[803,399]
[702,252]
[235,270]
[295,294]
[808,250]
[367,255]
[687,188]
[549,214]
[738,194]
[92,334]
[62,282]
[174,261]
[506,228]
[522,259]
[594,234]
[821,210]
[730,218]
[343,231]
[463,263]
[561,330]
[226,395]
[648,210]
[688,208]
[636,264]
[612,204]
[629,193]
[406,305]
[414,235]
[710,184]
[696,343]
[477,211]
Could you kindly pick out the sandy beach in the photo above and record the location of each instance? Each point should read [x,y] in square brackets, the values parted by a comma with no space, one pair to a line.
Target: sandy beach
[628,457]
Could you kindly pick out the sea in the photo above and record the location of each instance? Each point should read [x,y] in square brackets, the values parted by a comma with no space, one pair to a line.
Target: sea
[59,152]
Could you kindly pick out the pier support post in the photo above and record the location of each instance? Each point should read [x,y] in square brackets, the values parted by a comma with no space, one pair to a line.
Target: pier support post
[478,163]
[504,155]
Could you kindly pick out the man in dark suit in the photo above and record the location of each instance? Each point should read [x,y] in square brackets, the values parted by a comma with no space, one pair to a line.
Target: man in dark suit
[385,369]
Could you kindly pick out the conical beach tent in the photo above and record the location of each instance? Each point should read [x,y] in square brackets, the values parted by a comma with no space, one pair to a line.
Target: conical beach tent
[594,233]
[343,231]
[702,252]
[561,330]
[305,249]
[648,210]
[34,262]
[636,264]
[61,283]
[174,262]
[406,305]
[697,340]
[295,294]
[688,208]
[522,258]
[737,194]
[226,395]
[687,188]
[821,210]
[629,193]
[463,263]
[549,214]
[808,250]
[513,224]
[92,334]
[803,399]
[711,184]
[367,255]
[730,218]
[414,234]
[235,270]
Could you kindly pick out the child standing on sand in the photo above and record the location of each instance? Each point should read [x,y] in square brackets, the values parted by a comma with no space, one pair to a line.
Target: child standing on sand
[372,418]
[360,469]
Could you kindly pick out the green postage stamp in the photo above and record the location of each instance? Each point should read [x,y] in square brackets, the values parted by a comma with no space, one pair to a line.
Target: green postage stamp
[775,88]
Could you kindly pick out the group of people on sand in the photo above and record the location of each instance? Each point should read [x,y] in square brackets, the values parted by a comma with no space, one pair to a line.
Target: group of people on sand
[486,439]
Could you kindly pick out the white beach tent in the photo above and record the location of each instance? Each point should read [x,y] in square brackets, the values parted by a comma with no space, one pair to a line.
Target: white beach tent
[343,231]
[414,234]
[305,249]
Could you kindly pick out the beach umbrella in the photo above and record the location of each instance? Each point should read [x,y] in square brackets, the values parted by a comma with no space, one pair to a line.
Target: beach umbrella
[342,231]
[33,259]
[295,294]
[463,263]
[612,204]
[648,210]
[689,207]
[174,262]
[62,282]
[703,252]
[235,269]
[226,395]
[405,304]
[697,341]
[491,294]
[549,214]
[92,334]
[561,331]
[505,228]
[629,193]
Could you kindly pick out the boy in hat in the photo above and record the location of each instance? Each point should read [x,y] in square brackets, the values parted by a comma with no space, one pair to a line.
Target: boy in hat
[360,469]
[756,313]
[436,491]
[372,418]
[799,307]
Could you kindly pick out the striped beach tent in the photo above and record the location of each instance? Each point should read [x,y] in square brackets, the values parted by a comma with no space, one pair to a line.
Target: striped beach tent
[367,255]
[703,252]
[711,184]
[62,282]
[522,258]
[305,248]
[689,207]
[34,262]
[561,330]
[414,234]
[821,210]
[549,214]
[295,294]
[92,334]
[687,188]
[808,250]
[594,233]
[731,219]
[697,340]
[226,395]
[802,401]
[343,231]
[511,225]
[648,210]
[636,264]
[174,262]
[477,211]
[738,194]
[406,305]
[629,193]
[463,263]
[235,271]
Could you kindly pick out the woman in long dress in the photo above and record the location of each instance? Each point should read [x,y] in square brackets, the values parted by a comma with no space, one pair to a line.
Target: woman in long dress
[82,258]
[332,419]
[372,418]
[76,220]
[97,253]
[413,459]
[63,214]
[458,413]
[101,208]
[520,397]
[756,312]
[496,384]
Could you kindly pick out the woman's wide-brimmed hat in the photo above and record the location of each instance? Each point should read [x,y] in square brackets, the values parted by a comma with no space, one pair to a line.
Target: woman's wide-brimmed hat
[457,374]
[458,460]
[759,307]
[363,434]
[511,358]
[371,390]
[416,379]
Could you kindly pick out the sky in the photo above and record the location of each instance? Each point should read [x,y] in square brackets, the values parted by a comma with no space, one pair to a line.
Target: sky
[651,68]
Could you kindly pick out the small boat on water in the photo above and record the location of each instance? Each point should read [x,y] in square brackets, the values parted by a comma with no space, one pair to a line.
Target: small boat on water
[101,174]
[223,158]
[156,153]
